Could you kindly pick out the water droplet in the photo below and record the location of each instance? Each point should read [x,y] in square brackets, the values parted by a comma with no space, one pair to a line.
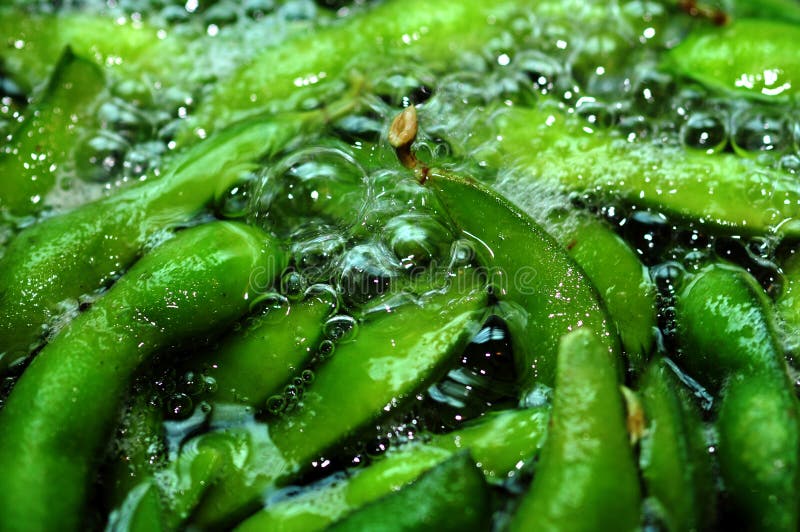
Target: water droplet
[179,407]
[704,131]
[293,285]
[367,270]
[757,130]
[417,239]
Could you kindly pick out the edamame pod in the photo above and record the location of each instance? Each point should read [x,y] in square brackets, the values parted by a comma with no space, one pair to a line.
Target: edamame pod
[394,355]
[57,418]
[41,148]
[788,303]
[726,192]
[620,278]
[452,496]
[788,10]
[727,338]
[51,264]
[674,459]
[547,293]
[384,35]
[754,58]
[251,365]
[586,478]
[498,442]
[126,47]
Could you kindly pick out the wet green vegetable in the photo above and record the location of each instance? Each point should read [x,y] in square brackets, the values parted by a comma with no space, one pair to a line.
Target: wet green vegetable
[729,341]
[45,142]
[155,305]
[586,478]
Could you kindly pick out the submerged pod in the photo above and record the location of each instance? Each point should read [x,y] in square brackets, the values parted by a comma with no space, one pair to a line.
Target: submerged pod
[397,352]
[42,147]
[674,460]
[59,415]
[586,478]
[453,496]
[498,442]
[728,341]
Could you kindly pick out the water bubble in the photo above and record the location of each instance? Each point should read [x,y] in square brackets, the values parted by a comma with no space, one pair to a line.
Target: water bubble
[268,301]
[294,285]
[125,119]
[192,383]
[598,114]
[319,183]
[790,163]
[541,69]
[667,276]
[324,293]
[377,447]
[757,130]
[233,202]
[704,131]
[210,384]
[341,328]
[99,155]
[292,393]
[179,407]
[417,239]
[634,127]
[276,404]
[462,253]
[367,270]
[653,91]
[316,249]
[403,88]
[308,376]
[358,127]
[326,349]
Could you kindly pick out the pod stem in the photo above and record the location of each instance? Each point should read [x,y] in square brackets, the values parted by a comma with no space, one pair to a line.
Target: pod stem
[694,9]
[402,134]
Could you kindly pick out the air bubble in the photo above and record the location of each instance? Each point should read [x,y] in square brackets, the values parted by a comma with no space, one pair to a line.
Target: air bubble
[293,285]
[704,131]
[341,328]
[754,131]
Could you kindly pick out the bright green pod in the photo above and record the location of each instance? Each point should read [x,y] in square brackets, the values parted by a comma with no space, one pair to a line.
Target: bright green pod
[729,194]
[453,496]
[51,264]
[621,280]
[586,478]
[396,353]
[728,341]
[787,10]
[252,364]
[545,294]
[61,411]
[788,303]
[751,58]
[124,47]
[725,325]
[674,459]
[382,36]
[42,147]
[498,442]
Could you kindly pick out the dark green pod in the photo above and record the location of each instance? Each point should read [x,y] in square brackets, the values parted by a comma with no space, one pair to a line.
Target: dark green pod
[674,459]
[58,416]
[728,341]
[452,496]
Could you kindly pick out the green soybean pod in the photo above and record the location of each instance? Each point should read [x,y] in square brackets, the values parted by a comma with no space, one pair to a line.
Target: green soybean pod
[788,302]
[546,293]
[379,37]
[54,262]
[722,191]
[751,58]
[586,478]
[42,147]
[674,459]
[498,442]
[728,340]
[787,10]
[396,353]
[252,364]
[453,496]
[622,282]
[60,412]
[126,48]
